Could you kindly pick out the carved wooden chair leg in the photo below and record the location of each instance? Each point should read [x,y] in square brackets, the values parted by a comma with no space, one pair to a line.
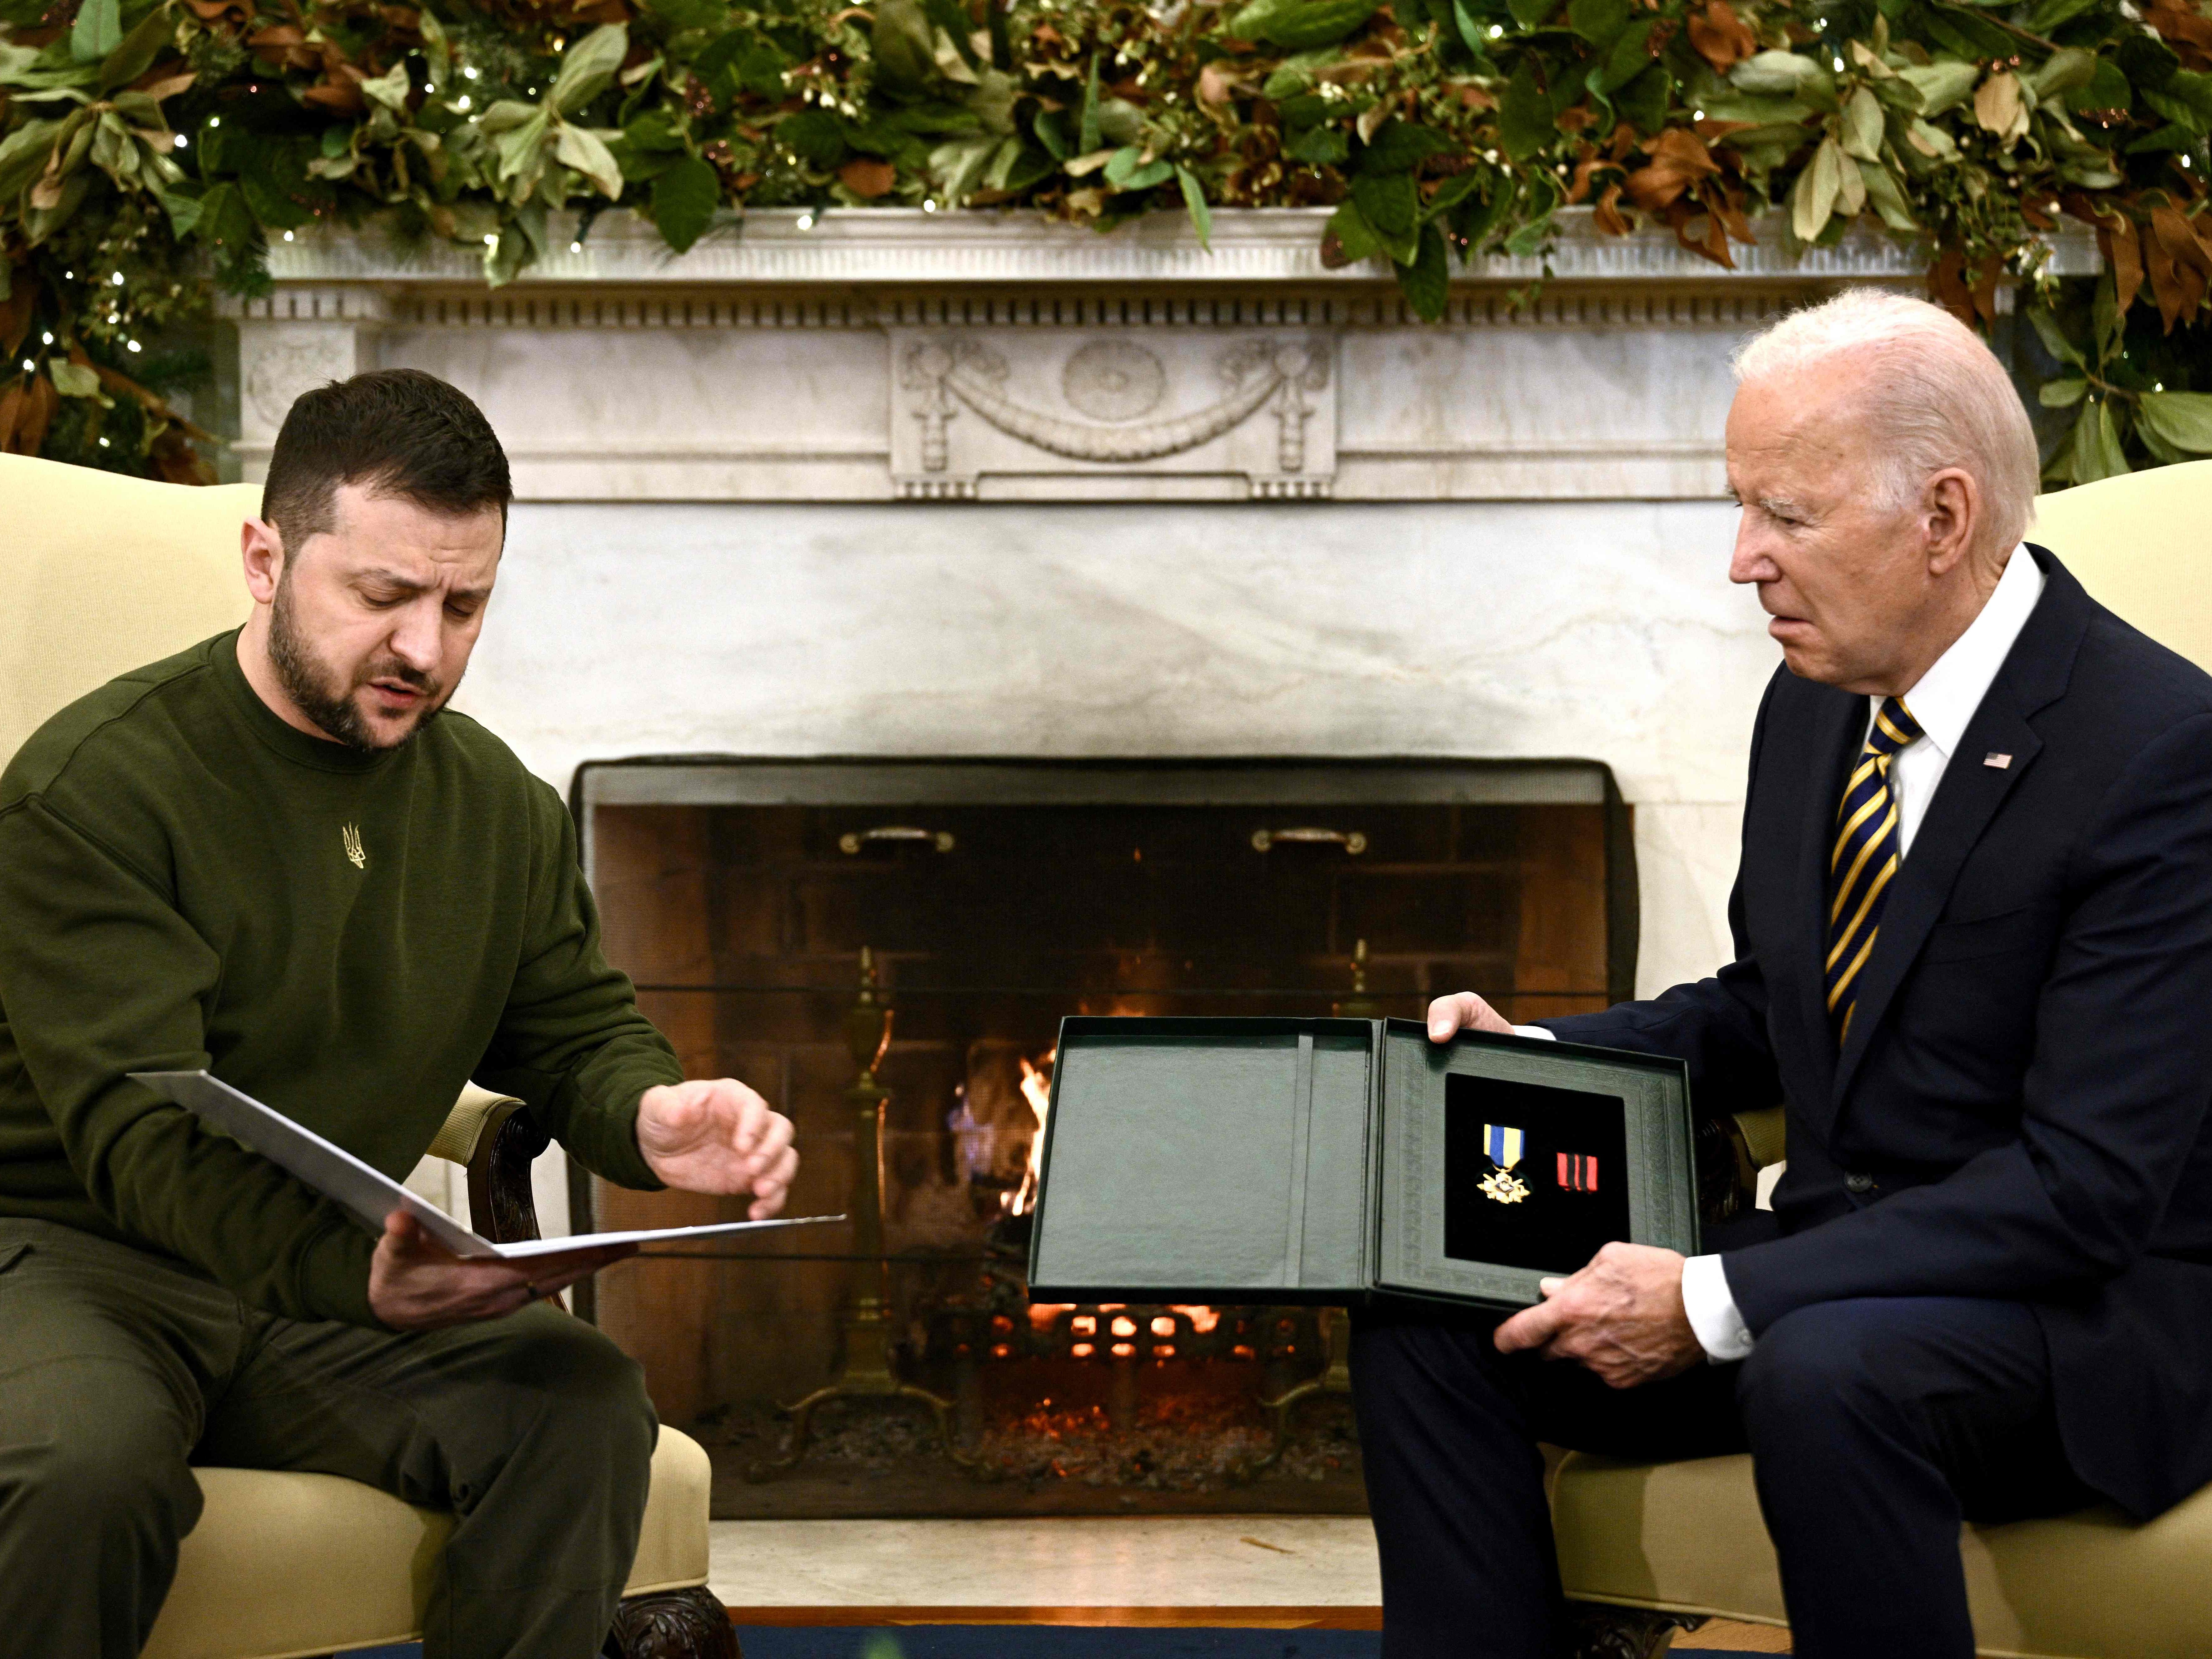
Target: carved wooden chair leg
[1609,1633]
[685,1624]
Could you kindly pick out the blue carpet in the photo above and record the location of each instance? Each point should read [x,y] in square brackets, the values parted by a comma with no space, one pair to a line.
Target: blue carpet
[1041,1642]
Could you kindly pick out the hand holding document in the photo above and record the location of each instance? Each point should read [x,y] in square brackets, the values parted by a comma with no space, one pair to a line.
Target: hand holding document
[369,1195]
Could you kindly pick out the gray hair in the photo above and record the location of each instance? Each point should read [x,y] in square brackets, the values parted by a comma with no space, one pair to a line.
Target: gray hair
[1939,396]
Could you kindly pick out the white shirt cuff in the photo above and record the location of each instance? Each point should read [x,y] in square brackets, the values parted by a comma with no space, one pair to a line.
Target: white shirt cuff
[1542,1031]
[1712,1311]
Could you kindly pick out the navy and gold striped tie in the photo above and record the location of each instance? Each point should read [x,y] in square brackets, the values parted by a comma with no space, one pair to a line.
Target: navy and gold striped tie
[1865,860]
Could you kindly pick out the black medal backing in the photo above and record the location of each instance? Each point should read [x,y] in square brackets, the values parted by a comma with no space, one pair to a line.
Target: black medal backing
[1568,1136]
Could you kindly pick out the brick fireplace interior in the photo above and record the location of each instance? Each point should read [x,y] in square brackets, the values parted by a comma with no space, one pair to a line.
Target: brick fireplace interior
[990,899]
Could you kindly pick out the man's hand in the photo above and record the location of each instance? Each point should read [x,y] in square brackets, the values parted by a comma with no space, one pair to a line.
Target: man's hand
[1464,1011]
[1622,1316]
[416,1283]
[718,1136]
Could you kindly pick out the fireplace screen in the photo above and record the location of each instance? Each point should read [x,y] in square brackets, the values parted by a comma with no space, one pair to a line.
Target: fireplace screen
[884,949]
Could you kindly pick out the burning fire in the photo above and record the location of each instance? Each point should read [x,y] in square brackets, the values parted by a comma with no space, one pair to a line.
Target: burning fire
[1044,1316]
[1036,1089]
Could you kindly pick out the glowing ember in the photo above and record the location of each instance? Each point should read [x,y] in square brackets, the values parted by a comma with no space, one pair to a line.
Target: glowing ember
[1202,1320]
[1043,1314]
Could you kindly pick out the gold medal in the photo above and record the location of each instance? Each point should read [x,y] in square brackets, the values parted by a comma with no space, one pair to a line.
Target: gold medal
[1504,1186]
[1505,1147]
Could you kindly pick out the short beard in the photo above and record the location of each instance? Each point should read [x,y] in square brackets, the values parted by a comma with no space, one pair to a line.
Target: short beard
[315,691]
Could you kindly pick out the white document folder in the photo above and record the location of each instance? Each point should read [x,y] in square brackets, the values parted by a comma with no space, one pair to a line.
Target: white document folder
[368,1194]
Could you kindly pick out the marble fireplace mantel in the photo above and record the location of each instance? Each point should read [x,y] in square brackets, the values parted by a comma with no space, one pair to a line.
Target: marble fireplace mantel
[882,354]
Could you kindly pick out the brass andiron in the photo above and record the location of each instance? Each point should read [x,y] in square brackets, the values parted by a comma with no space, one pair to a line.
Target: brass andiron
[1336,1330]
[1360,1005]
[865,1371]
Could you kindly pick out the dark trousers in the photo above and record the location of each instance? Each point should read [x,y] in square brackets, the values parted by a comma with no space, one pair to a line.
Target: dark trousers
[1875,1427]
[119,1369]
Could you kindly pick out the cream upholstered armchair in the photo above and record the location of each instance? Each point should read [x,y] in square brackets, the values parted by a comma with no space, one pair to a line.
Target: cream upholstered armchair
[102,574]
[1651,1548]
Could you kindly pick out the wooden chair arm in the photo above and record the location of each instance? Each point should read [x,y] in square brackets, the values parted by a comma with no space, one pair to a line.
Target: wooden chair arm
[496,1138]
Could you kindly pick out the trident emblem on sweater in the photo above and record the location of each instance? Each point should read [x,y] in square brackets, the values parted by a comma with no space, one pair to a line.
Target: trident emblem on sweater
[350,835]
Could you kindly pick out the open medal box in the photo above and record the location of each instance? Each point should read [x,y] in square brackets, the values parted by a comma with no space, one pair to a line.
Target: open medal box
[1276,1160]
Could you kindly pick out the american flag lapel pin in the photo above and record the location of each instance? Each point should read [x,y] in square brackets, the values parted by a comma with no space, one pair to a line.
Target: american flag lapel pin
[1995,759]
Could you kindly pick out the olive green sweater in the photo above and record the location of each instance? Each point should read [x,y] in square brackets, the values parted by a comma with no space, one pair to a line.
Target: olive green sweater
[186,881]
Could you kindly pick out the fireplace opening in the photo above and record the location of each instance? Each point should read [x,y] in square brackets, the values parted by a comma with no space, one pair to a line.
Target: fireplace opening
[884,949]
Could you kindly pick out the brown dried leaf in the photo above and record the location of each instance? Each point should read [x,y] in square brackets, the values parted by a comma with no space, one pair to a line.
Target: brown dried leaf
[177,461]
[866,176]
[168,86]
[27,407]
[1679,159]
[1984,290]
[2124,253]
[1608,217]
[1702,232]
[2174,237]
[2184,29]
[1949,286]
[2166,287]
[1720,223]
[2182,236]
[15,309]
[1725,198]
[283,43]
[1720,36]
[1588,160]
[338,91]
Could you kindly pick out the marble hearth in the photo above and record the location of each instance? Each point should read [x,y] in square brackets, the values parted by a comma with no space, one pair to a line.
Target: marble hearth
[888,484]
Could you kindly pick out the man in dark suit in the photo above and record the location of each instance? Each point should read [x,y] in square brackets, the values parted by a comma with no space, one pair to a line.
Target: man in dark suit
[1973,957]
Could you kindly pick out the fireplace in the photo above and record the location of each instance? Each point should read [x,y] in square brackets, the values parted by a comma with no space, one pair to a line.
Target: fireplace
[885,948]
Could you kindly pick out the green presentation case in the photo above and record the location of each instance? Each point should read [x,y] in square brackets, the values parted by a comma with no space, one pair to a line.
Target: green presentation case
[1277,1160]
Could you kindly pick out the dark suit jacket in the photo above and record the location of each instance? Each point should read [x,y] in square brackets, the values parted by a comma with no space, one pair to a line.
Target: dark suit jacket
[2028,1071]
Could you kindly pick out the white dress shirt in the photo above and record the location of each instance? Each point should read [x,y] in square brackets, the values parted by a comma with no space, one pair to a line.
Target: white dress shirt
[1944,701]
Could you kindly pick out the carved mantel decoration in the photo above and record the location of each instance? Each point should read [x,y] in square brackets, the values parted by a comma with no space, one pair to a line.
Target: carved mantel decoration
[1115,407]
[885,353]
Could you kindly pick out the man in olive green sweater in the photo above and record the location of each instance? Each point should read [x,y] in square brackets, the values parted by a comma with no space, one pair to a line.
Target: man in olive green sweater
[272,856]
